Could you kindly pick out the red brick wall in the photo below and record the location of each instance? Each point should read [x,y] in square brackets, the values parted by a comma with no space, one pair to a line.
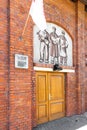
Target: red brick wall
[20,83]
[80,67]
[71,17]
[86,61]
[20,79]
[71,94]
[3,65]
[63,13]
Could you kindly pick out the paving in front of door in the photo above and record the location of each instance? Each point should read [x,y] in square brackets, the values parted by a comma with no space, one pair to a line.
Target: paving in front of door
[76,122]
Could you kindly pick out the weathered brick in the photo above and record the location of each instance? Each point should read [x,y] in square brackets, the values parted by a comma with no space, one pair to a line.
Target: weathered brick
[17,86]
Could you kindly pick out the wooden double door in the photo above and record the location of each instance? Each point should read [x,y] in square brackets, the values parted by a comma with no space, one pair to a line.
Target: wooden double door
[50,96]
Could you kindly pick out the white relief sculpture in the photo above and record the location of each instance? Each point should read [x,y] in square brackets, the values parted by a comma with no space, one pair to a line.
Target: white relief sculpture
[52,46]
[63,48]
[44,46]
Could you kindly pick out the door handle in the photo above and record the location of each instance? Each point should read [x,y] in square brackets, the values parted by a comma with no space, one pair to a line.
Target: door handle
[50,96]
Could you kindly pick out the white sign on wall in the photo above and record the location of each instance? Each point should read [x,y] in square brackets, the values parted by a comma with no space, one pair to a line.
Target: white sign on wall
[53,45]
[21,61]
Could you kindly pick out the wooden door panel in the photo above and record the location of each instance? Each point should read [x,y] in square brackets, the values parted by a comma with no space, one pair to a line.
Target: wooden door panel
[42,97]
[60,84]
[56,108]
[50,96]
[56,94]
[53,88]
[56,87]
[42,112]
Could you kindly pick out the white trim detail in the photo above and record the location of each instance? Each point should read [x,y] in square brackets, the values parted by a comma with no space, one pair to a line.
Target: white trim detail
[50,69]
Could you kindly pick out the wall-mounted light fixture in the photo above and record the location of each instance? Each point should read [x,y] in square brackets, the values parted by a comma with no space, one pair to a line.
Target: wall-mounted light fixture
[56,67]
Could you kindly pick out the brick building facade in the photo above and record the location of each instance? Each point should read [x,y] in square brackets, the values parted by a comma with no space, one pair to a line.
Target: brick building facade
[18,86]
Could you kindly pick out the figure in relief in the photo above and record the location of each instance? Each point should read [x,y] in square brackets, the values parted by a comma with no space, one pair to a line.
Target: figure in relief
[54,46]
[43,37]
[63,48]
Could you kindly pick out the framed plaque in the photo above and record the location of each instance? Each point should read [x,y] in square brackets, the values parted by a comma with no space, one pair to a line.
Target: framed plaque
[21,61]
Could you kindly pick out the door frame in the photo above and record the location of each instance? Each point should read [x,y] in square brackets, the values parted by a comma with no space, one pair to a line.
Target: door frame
[48,72]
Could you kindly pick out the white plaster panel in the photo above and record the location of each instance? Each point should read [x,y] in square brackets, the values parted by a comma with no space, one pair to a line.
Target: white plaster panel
[37,47]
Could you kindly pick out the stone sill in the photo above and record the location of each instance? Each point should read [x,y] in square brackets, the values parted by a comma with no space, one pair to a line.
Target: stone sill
[49,67]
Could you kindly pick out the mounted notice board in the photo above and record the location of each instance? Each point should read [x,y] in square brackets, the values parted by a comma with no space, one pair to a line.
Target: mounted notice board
[21,61]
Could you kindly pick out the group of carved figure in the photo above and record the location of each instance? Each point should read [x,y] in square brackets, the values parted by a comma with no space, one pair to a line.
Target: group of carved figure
[57,44]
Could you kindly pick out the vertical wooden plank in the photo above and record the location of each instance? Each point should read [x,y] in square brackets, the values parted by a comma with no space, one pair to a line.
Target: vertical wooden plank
[57,97]
[42,97]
